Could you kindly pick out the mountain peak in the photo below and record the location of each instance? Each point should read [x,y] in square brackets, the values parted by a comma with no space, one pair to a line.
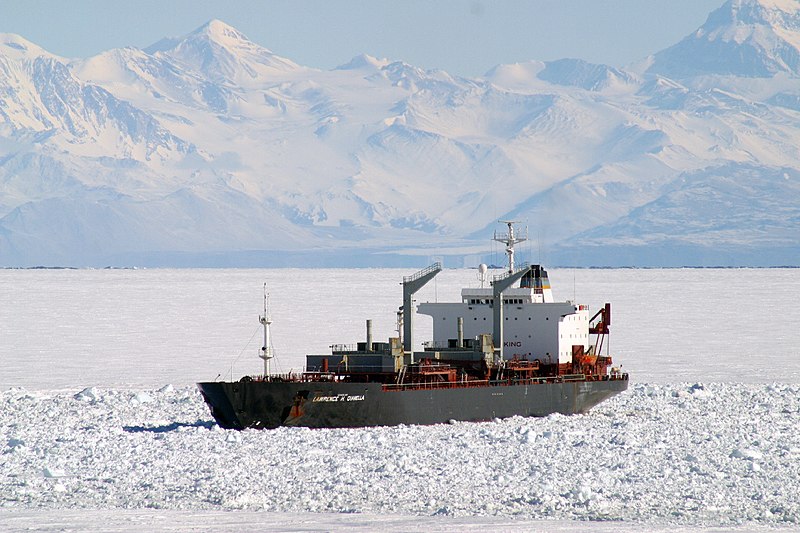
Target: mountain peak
[222,53]
[787,6]
[580,73]
[747,38]
[213,32]
[220,32]
[364,61]
[774,13]
[17,47]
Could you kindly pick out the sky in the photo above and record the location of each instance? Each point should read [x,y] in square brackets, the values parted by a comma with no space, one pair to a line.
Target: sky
[465,38]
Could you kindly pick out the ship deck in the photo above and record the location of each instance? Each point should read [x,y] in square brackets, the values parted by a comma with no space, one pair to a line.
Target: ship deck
[317,377]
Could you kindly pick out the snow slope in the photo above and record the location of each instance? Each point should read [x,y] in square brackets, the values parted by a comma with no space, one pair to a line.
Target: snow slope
[209,149]
[749,38]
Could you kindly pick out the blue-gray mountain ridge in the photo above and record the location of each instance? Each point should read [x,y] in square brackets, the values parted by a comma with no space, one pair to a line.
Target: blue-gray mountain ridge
[210,150]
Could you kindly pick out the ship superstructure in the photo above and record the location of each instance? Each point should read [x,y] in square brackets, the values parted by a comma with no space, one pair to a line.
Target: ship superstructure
[531,324]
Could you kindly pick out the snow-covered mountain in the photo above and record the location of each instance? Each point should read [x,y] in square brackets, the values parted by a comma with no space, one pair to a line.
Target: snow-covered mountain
[209,149]
[748,38]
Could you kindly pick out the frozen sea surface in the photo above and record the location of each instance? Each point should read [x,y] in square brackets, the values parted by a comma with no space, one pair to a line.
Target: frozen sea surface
[143,328]
[101,428]
[699,455]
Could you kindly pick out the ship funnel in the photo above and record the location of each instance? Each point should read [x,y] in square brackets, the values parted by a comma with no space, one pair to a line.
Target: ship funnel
[369,336]
[461,332]
[538,280]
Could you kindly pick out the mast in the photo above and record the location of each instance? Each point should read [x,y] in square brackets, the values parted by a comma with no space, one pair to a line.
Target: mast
[503,282]
[411,284]
[500,284]
[266,321]
[510,239]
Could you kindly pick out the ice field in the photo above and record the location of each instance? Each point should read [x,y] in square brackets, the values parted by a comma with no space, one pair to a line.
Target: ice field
[101,427]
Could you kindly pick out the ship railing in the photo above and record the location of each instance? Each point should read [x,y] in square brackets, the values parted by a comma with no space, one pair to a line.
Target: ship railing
[287,377]
[489,383]
[520,268]
[352,369]
[506,235]
[436,345]
[448,346]
[538,380]
[424,272]
[378,348]
[335,348]
[427,385]
[602,377]
[318,375]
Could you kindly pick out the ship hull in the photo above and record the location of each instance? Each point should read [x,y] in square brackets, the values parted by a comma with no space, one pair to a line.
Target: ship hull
[262,404]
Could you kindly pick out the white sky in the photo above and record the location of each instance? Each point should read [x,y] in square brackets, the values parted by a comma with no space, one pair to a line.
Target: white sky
[462,37]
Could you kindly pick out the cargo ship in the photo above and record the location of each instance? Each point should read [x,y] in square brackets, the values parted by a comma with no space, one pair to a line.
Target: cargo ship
[506,349]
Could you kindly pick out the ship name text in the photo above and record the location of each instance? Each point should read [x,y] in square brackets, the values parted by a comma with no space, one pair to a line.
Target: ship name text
[340,398]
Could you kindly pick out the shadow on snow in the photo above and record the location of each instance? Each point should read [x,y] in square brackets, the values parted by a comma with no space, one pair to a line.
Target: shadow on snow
[208,424]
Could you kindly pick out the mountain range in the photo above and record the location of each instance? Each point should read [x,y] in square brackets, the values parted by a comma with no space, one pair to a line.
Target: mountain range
[210,150]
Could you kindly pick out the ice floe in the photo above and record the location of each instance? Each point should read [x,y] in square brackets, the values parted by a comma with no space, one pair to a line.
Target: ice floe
[694,455]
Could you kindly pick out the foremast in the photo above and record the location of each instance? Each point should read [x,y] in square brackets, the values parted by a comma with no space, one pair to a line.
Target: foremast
[266,321]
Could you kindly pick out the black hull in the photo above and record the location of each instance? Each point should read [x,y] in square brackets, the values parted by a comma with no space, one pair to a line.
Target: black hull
[259,404]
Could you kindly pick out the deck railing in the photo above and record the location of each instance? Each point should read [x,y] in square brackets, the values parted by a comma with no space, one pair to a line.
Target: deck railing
[424,272]
[519,268]
[333,376]
[502,382]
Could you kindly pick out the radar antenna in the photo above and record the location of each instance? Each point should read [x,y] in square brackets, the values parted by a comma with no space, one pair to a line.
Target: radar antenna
[482,269]
[266,321]
[510,239]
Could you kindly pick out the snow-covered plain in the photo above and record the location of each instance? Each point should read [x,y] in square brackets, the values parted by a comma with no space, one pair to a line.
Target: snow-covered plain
[101,428]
